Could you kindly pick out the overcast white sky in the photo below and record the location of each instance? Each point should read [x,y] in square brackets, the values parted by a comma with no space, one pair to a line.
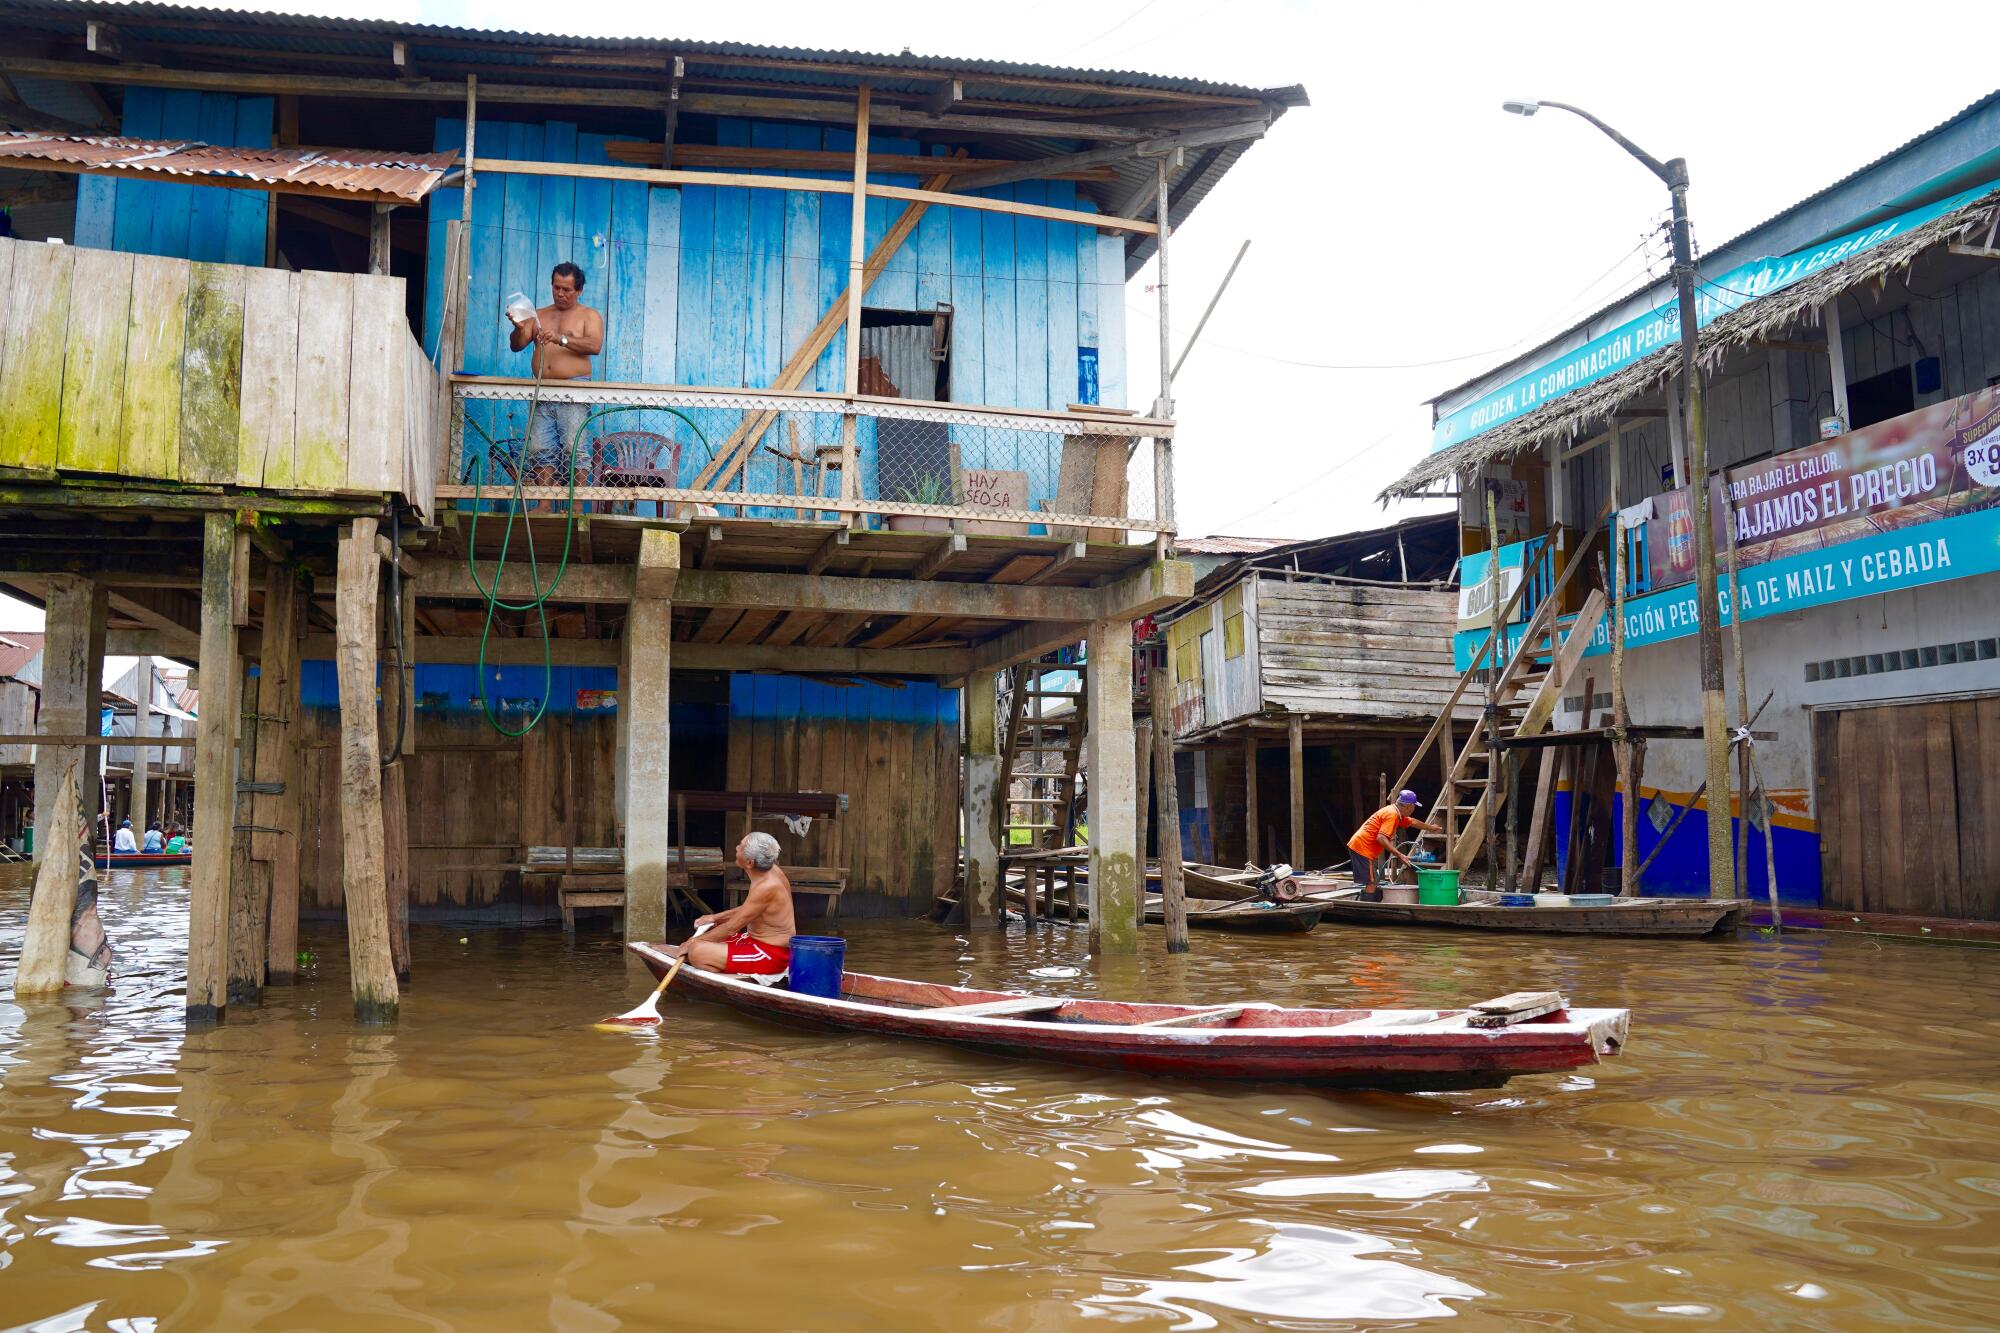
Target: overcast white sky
[1403,227]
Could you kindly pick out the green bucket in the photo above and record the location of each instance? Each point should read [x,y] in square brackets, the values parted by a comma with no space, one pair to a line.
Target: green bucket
[1437,888]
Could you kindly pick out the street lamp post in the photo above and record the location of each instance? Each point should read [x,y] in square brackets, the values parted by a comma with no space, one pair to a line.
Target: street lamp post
[1708,610]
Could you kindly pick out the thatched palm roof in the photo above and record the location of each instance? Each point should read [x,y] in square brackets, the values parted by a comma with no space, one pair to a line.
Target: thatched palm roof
[1566,418]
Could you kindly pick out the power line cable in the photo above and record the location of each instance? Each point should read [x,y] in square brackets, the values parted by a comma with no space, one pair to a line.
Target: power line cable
[1108,31]
[1376,443]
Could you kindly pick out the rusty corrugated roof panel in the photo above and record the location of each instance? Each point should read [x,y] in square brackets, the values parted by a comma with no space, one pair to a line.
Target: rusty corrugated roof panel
[361,173]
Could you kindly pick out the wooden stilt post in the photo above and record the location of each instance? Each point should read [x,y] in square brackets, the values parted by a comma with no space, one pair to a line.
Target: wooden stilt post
[142,755]
[214,770]
[647,655]
[396,724]
[363,880]
[275,855]
[65,782]
[1296,739]
[1114,874]
[1173,886]
[1252,822]
[983,896]
[249,913]
[1142,788]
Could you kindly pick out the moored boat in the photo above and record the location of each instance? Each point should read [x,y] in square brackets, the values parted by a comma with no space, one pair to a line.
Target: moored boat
[1685,917]
[1253,915]
[140,860]
[1407,1049]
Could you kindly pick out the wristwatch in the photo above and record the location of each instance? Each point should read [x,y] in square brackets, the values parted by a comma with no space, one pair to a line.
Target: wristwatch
[563,338]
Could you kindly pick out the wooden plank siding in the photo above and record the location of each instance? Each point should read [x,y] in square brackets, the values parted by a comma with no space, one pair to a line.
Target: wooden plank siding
[1881,850]
[159,369]
[716,286]
[1355,651]
[893,751]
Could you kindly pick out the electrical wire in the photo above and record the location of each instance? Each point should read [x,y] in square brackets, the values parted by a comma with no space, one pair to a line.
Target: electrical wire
[1108,31]
[1294,491]
[1532,332]
[1148,41]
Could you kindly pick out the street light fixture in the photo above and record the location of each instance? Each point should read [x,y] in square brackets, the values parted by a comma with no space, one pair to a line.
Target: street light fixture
[1708,610]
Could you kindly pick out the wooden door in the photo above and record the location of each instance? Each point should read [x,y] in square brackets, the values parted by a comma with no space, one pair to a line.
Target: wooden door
[1908,799]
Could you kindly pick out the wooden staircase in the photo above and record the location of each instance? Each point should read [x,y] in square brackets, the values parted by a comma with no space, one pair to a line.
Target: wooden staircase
[1049,805]
[1524,689]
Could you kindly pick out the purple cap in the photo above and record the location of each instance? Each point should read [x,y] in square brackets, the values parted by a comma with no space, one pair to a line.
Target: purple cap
[1406,797]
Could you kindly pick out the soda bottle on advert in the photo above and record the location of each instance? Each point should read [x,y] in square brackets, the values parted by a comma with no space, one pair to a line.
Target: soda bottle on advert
[1680,540]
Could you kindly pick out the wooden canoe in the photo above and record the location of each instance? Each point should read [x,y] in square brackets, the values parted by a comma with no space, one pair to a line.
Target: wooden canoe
[1281,918]
[1406,1049]
[1686,917]
[1285,918]
[140,860]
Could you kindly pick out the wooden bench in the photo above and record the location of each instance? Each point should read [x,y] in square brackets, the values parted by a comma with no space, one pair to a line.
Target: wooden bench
[828,882]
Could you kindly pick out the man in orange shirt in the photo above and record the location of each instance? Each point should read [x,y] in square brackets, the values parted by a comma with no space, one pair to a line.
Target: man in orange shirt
[1376,838]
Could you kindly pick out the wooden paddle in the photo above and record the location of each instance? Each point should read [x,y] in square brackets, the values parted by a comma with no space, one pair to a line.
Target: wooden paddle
[647,1012]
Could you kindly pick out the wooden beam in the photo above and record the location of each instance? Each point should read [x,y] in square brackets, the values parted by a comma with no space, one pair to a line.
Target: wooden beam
[947,94]
[376,996]
[1047,168]
[828,549]
[1101,221]
[1253,835]
[940,555]
[1063,559]
[671,117]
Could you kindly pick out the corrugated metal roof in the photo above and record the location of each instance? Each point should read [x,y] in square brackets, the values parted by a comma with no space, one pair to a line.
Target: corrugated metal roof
[336,172]
[17,649]
[1228,545]
[214,26]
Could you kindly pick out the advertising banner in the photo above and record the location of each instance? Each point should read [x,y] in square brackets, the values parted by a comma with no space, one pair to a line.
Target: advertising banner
[1924,465]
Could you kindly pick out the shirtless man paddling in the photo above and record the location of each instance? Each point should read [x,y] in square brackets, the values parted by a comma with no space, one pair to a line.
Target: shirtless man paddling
[565,335]
[755,938]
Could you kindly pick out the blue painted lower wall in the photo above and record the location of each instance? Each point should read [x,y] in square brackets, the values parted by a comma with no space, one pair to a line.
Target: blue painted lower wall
[1681,870]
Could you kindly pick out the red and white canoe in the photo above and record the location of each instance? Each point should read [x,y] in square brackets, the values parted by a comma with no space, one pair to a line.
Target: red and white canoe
[1407,1049]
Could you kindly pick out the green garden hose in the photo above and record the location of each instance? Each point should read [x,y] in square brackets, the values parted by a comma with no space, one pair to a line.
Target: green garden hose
[541,596]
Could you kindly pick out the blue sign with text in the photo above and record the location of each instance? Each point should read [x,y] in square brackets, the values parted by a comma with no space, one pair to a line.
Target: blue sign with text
[1951,548]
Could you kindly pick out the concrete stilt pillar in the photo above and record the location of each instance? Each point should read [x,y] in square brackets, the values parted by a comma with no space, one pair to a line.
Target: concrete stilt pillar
[646,660]
[982,801]
[65,775]
[1114,824]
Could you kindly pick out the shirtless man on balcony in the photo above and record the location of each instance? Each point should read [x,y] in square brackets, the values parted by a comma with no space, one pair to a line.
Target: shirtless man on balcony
[566,334]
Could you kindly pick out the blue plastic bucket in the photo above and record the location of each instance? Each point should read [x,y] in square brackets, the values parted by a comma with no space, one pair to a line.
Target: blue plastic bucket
[817,962]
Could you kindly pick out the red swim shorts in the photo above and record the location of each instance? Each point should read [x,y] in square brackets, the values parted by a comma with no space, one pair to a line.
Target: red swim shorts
[754,957]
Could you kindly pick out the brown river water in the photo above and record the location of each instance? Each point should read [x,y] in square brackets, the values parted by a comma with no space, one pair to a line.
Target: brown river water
[1804,1133]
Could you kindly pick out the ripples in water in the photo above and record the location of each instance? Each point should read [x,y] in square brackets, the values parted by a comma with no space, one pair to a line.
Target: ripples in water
[1797,1137]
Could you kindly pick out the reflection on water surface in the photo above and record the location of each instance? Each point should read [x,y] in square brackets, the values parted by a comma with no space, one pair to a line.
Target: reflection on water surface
[1798,1136]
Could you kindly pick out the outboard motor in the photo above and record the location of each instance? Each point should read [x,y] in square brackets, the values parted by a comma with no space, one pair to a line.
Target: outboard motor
[1277,885]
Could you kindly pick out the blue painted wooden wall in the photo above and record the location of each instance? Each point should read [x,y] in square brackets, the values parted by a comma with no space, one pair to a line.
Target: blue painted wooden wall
[714,286]
[200,222]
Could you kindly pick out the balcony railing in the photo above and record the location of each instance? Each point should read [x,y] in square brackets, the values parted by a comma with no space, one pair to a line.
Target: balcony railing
[676,451]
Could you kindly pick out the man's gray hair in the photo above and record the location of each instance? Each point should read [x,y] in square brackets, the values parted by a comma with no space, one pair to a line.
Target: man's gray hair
[762,849]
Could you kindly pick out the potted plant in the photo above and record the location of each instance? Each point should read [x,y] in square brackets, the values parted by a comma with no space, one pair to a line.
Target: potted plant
[928,489]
